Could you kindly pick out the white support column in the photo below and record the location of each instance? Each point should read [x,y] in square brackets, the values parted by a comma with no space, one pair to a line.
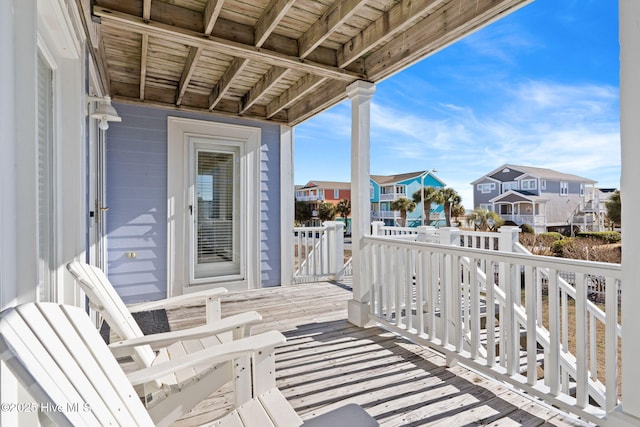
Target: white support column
[629,18]
[287,207]
[360,93]
[508,236]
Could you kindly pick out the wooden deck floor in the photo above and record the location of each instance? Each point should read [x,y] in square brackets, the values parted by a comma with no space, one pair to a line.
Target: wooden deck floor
[327,362]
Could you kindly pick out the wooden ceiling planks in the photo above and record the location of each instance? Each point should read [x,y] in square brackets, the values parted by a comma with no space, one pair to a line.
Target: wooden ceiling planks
[277,60]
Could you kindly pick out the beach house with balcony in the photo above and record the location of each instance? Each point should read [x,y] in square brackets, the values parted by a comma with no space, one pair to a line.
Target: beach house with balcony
[384,189]
[317,192]
[154,139]
[543,198]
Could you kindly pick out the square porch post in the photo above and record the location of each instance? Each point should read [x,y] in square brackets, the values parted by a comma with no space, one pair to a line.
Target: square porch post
[629,17]
[360,93]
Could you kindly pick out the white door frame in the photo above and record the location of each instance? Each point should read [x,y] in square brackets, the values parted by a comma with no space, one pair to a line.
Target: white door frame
[179,132]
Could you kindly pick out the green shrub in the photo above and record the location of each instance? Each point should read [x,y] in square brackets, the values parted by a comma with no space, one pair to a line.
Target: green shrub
[557,247]
[526,228]
[603,236]
[552,235]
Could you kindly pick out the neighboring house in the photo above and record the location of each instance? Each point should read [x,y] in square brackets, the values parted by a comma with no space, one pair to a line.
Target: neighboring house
[385,189]
[318,192]
[546,199]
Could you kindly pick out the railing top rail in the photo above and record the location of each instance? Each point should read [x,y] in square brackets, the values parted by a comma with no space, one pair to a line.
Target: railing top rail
[608,269]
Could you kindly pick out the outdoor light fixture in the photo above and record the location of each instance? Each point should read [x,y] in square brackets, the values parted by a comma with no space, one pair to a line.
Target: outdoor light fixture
[104,112]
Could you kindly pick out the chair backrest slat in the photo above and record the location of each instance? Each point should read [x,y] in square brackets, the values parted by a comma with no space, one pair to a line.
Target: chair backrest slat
[104,298]
[60,358]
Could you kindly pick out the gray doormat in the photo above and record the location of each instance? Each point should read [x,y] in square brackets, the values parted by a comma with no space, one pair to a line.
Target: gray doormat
[151,322]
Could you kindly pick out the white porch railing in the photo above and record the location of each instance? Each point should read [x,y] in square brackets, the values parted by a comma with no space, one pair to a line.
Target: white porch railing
[319,252]
[486,307]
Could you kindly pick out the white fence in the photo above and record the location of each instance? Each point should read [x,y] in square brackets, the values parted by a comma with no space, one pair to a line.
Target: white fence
[484,304]
[319,252]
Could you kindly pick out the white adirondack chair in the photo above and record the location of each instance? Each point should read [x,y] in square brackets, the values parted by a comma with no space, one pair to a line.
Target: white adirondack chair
[188,386]
[61,360]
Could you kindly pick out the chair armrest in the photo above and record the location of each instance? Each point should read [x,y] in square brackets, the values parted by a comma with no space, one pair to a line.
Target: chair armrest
[212,355]
[163,339]
[178,300]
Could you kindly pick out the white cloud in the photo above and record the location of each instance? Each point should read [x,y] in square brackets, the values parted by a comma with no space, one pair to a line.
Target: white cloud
[570,128]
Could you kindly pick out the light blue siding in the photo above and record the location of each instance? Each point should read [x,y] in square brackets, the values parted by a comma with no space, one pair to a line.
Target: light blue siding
[136,183]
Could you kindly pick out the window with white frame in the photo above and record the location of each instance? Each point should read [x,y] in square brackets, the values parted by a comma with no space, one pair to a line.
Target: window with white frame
[400,189]
[528,184]
[371,191]
[486,206]
[487,187]
[336,194]
[510,185]
[582,189]
[543,184]
[564,188]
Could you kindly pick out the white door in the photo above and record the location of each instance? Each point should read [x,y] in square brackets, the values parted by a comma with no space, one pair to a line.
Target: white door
[215,211]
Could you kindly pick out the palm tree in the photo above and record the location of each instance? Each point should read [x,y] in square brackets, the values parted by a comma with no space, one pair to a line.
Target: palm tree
[403,205]
[344,208]
[448,197]
[326,212]
[482,218]
[428,195]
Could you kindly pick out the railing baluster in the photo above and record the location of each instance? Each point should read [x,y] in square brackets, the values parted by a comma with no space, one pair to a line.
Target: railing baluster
[445,290]
[593,355]
[552,372]
[611,343]
[491,316]
[582,395]
[564,375]
[421,283]
[456,294]
[511,328]
[432,265]
[532,347]
[474,288]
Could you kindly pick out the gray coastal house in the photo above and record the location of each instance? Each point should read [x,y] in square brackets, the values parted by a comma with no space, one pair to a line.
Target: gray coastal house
[546,199]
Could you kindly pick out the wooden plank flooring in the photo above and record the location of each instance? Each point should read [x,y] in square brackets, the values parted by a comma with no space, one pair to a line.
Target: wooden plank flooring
[328,362]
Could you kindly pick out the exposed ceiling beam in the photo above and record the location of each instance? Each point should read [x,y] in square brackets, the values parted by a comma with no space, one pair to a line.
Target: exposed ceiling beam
[332,19]
[225,81]
[146,10]
[273,14]
[211,14]
[301,88]
[187,72]
[143,64]
[395,20]
[267,81]
[167,32]
[327,95]
[446,25]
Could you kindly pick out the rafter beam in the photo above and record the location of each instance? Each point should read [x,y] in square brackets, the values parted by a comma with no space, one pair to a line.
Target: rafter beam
[332,19]
[211,14]
[267,81]
[187,72]
[143,64]
[302,87]
[273,14]
[443,27]
[168,32]
[146,10]
[395,20]
[327,95]
[225,81]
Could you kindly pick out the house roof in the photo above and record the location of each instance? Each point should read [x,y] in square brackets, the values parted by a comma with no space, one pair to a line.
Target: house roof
[391,179]
[276,60]
[537,172]
[513,196]
[328,184]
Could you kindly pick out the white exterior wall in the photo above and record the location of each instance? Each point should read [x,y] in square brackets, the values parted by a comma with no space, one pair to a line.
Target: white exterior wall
[27,27]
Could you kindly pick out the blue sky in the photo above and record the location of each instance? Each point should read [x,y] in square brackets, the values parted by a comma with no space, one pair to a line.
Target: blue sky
[539,88]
